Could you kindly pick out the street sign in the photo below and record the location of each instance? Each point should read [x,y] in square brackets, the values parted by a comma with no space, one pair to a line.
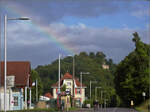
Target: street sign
[10,81]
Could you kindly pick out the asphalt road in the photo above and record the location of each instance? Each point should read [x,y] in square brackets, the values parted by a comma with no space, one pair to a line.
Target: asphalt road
[107,110]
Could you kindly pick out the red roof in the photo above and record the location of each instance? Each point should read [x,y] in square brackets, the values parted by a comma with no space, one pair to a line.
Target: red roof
[19,69]
[68,76]
[48,95]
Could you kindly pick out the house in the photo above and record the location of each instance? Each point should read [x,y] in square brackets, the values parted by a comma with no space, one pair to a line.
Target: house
[48,95]
[79,90]
[18,80]
[104,66]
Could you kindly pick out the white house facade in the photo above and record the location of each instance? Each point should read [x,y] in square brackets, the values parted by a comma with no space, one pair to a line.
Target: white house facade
[79,90]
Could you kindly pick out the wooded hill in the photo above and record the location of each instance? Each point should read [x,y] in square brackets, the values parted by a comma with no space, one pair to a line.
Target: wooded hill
[84,62]
[120,83]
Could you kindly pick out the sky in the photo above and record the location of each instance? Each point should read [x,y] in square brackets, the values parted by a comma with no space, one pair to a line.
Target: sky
[69,27]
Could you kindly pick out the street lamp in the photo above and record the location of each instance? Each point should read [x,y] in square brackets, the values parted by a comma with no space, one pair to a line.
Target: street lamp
[143,94]
[105,104]
[59,75]
[96,92]
[5,53]
[81,73]
[91,86]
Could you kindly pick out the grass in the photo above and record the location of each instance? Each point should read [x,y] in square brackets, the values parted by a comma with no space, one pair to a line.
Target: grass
[73,108]
[35,110]
[144,106]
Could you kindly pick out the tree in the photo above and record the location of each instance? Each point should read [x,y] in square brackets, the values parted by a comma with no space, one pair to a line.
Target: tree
[34,77]
[92,55]
[132,73]
[63,88]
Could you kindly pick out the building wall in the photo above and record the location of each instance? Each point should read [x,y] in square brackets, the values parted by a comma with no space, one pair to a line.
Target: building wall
[54,93]
[10,100]
[19,97]
[69,85]
[105,66]
[81,95]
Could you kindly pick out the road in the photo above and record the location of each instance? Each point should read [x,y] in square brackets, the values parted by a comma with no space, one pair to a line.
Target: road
[107,110]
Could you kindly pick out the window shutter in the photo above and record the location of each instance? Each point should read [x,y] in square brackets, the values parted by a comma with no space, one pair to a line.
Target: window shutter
[75,90]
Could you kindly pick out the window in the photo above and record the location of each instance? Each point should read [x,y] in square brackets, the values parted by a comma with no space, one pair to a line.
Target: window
[15,100]
[68,83]
[78,91]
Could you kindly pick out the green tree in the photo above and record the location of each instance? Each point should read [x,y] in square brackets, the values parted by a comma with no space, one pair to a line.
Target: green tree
[132,73]
[34,77]
[63,88]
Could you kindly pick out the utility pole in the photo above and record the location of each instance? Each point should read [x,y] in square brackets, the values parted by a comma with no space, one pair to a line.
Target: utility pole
[81,87]
[5,62]
[26,98]
[30,99]
[5,55]
[96,92]
[81,74]
[36,90]
[101,99]
[0,60]
[91,87]
[73,80]
[59,75]
[0,52]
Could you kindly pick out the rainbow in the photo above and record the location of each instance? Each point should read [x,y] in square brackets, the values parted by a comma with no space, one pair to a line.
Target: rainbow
[37,26]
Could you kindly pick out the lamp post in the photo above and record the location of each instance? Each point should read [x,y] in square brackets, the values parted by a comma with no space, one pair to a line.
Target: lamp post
[81,73]
[101,99]
[96,92]
[36,90]
[91,86]
[5,53]
[0,53]
[105,104]
[0,57]
[105,100]
[58,92]
[143,94]
[59,75]
[73,80]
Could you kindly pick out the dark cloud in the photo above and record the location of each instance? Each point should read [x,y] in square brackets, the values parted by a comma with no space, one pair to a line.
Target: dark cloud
[27,43]
[54,10]
[116,43]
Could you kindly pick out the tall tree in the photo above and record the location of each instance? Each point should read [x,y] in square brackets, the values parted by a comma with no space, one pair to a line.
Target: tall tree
[35,76]
[132,74]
